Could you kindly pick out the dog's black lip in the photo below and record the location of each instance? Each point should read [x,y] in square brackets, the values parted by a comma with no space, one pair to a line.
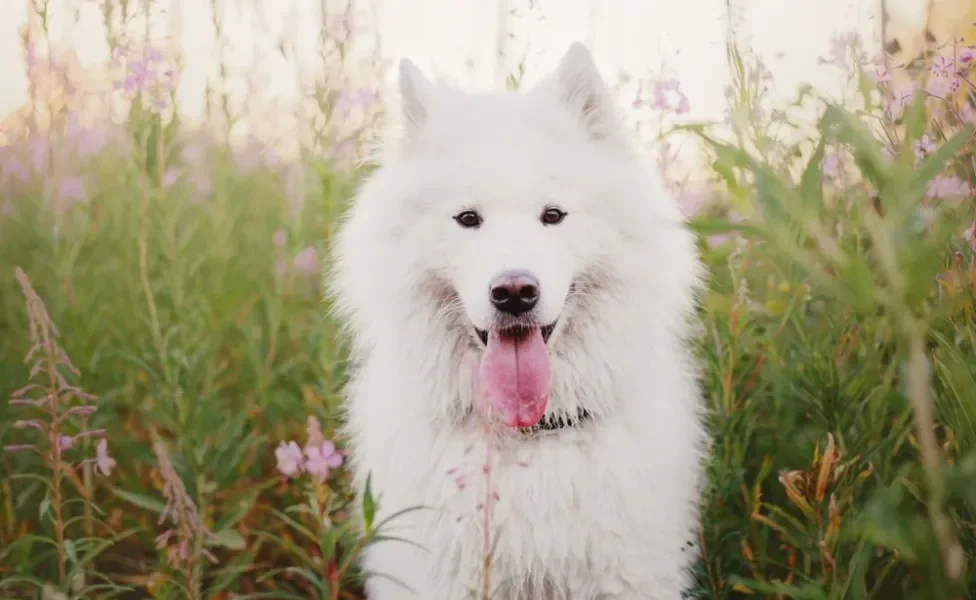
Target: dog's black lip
[546,332]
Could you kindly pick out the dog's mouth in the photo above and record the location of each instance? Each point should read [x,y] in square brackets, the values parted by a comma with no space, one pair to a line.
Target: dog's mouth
[516,332]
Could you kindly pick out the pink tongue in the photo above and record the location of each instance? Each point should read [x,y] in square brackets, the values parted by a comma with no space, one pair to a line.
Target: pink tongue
[514,377]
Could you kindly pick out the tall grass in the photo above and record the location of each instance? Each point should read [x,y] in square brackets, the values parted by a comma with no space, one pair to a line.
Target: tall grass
[181,277]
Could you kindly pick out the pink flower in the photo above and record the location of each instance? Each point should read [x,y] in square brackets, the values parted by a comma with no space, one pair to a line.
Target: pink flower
[169,178]
[289,457]
[947,187]
[194,152]
[879,72]
[346,101]
[103,461]
[307,261]
[40,150]
[839,46]
[70,190]
[321,458]
[831,164]
[720,239]
[968,114]
[924,145]
[14,169]
[939,86]
[280,238]
[966,55]
[941,65]
[895,105]
[970,236]
[65,442]
[692,201]
[88,141]
[313,431]
[880,75]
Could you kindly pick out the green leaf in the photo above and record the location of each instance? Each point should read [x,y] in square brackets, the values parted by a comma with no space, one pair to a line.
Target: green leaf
[936,162]
[230,539]
[369,505]
[147,502]
[711,226]
[811,182]
[43,508]
[844,127]
[71,551]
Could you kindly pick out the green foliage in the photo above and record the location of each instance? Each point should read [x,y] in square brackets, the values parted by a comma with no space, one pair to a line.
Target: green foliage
[829,328]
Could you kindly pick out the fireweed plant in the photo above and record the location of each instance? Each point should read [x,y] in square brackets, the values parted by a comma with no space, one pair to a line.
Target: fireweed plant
[846,285]
[183,274]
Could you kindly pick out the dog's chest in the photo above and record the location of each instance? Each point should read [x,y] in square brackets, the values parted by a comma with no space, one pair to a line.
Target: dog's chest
[550,512]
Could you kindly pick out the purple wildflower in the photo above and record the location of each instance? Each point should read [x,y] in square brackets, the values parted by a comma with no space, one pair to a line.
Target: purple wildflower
[306,262]
[939,86]
[895,105]
[280,238]
[181,511]
[879,72]
[923,146]
[948,187]
[347,101]
[14,169]
[692,201]
[313,432]
[70,190]
[169,178]
[941,65]
[290,458]
[968,114]
[103,461]
[39,148]
[50,392]
[831,164]
[88,141]
[666,95]
[966,56]
[322,457]
[839,45]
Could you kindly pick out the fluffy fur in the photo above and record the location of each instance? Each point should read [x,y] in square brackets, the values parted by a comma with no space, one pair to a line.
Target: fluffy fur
[606,509]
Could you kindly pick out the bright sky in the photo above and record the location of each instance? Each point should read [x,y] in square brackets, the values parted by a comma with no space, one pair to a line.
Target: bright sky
[459,39]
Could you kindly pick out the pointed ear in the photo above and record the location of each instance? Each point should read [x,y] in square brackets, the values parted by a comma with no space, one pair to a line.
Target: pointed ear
[415,95]
[581,90]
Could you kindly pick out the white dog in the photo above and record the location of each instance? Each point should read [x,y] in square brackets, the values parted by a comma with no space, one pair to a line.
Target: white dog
[520,293]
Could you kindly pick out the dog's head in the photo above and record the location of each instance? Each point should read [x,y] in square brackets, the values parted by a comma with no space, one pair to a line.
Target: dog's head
[519,232]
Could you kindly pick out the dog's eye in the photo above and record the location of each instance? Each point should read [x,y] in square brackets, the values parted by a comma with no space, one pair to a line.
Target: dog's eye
[552,216]
[468,219]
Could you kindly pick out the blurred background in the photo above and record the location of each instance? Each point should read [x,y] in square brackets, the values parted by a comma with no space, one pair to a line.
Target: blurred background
[257,67]
[171,174]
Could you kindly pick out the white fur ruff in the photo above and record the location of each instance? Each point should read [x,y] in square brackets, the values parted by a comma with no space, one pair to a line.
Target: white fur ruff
[607,509]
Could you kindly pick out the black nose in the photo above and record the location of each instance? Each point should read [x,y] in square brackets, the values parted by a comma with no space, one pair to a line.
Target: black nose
[515,292]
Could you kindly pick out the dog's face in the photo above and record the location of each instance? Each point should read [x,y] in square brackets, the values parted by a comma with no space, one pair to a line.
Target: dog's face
[510,216]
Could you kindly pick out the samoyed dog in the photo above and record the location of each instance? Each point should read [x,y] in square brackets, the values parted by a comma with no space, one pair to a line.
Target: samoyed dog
[520,294]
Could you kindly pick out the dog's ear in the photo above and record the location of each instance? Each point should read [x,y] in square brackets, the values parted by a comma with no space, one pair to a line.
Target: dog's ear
[583,91]
[415,96]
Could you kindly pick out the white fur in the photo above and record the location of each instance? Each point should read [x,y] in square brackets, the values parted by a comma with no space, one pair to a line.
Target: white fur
[604,510]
